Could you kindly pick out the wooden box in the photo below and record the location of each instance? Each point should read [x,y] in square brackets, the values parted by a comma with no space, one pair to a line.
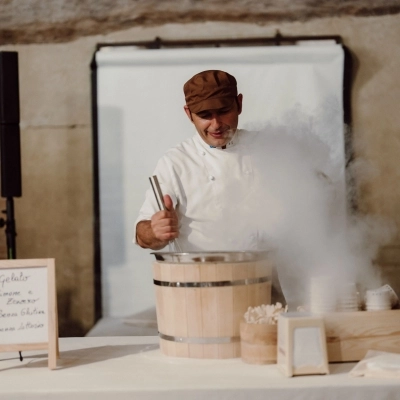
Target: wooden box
[349,335]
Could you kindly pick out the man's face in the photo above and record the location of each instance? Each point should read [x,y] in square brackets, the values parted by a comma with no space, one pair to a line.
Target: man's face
[217,127]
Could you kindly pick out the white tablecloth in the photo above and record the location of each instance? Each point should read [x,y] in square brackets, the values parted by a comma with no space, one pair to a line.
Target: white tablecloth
[116,368]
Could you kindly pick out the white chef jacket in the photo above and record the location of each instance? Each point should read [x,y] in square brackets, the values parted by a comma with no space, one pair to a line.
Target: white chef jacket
[209,187]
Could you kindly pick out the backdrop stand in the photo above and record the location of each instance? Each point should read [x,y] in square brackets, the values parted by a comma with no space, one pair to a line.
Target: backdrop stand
[10,146]
[105,112]
[10,231]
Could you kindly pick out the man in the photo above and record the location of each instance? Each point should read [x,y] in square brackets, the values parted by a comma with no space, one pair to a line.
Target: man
[208,179]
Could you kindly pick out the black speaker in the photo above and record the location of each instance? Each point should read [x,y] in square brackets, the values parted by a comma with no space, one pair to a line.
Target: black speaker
[10,155]
[10,148]
[9,88]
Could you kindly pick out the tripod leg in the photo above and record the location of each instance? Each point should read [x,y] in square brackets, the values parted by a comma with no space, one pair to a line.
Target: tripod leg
[10,230]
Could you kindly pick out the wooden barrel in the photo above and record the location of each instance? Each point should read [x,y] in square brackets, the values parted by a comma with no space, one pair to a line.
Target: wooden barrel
[200,305]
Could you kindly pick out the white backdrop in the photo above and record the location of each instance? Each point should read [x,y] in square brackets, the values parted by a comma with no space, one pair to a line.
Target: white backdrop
[140,108]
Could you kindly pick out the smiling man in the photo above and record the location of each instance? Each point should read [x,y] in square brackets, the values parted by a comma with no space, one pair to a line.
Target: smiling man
[207,179]
[214,106]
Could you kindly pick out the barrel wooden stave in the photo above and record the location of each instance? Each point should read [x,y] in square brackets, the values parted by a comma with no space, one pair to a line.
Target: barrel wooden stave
[207,312]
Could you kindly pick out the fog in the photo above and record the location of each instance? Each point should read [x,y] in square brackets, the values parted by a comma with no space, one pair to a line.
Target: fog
[301,211]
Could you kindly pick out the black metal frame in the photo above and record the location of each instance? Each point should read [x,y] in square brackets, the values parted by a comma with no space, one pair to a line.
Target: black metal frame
[158,43]
[276,40]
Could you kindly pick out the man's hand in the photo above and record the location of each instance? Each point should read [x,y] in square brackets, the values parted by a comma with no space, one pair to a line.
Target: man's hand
[165,223]
[162,228]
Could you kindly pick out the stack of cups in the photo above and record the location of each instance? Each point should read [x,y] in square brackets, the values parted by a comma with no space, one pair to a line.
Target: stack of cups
[394,300]
[348,298]
[378,299]
[322,295]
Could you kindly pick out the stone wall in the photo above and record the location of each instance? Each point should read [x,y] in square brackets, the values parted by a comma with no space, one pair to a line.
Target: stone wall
[55,21]
[55,214]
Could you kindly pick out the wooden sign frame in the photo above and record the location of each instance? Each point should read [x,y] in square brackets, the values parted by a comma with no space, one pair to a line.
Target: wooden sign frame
[52,343]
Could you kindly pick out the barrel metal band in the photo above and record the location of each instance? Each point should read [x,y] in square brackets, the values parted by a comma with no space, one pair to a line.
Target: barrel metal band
[200,340]
[250,281]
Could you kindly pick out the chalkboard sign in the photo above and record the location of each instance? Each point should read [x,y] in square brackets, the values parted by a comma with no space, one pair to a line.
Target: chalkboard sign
[28,307]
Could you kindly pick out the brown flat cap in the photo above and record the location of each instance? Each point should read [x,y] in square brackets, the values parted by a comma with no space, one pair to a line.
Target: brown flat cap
[209,90]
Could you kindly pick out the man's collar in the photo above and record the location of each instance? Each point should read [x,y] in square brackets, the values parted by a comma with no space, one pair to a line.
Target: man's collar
[231,143]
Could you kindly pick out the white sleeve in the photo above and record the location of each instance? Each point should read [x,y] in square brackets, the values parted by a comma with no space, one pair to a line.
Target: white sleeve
[150,206]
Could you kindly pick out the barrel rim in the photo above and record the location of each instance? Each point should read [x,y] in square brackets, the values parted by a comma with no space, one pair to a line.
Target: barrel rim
[210,256]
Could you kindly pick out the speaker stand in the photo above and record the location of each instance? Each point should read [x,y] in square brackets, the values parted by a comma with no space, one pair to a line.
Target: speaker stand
[10,231]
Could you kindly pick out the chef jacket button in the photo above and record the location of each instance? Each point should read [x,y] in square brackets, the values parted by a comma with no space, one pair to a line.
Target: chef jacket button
[203,153]
[212,178]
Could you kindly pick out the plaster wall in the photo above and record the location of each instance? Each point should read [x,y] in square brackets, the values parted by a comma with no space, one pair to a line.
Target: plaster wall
[55,214]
